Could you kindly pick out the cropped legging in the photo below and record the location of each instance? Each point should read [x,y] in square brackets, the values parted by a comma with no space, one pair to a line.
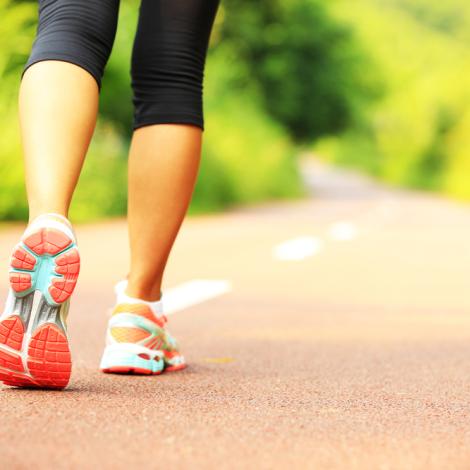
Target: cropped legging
[168,56]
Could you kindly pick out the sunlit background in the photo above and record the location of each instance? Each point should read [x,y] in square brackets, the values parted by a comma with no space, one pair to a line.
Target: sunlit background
[382,85]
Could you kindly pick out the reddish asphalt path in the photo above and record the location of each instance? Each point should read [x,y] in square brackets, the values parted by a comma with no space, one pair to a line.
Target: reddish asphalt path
[357,357]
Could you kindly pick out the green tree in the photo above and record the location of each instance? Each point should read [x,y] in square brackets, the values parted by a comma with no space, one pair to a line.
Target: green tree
[308,66]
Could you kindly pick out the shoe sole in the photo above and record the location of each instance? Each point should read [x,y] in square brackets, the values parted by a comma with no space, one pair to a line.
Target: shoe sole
[129,358]
[34,348]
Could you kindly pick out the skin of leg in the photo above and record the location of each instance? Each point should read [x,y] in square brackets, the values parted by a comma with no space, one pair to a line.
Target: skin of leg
[163,165]
[58,108]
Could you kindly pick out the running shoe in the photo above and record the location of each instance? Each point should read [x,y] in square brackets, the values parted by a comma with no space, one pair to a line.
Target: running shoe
[137,341]
[44,267]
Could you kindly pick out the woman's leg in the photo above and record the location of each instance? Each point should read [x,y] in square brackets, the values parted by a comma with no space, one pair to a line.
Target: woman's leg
[58,106]
[59,96]
[162,170]
[56,124]
[168,67]
[167,71]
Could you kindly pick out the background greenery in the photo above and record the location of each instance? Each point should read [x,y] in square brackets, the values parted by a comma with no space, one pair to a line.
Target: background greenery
[378,84]
[418,133]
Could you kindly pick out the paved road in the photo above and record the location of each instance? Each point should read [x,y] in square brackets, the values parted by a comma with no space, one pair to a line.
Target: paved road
[354,356]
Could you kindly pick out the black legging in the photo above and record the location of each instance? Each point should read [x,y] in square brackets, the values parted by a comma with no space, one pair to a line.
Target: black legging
[168,56]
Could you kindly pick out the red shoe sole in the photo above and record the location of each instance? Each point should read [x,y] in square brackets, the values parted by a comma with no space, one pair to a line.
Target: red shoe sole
[129,371]
[138,371]
[175,368]
[47,362]
[34,350]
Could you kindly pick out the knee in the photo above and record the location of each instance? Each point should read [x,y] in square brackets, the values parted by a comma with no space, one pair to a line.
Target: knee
[167,88]
[75,31]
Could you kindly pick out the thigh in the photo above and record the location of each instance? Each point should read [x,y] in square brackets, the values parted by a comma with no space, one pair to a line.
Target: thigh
[168,59]
[98,14]
[173,35]
[77,31]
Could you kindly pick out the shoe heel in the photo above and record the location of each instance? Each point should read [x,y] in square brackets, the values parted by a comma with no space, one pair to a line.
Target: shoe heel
[127,358]
[47,260]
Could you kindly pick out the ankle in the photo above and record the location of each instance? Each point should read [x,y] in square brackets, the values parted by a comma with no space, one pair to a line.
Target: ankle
[60,215]
[148,291]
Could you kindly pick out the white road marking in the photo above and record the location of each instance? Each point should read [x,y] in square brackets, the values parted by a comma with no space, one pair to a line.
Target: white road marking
[343,231]
[298,249]
[192,293]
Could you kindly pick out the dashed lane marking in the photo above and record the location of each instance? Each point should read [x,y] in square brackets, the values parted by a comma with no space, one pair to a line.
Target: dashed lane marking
[343,231]
[298,249]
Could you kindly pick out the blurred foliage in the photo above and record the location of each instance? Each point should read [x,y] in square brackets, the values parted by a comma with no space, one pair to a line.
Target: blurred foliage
[250,146]
[247,155]
[308,68]
[279,73]
[418,133]
[16,29]
[378,84]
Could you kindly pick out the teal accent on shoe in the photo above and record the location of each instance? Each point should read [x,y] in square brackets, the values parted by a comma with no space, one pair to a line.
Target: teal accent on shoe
[122,359]
[43,273]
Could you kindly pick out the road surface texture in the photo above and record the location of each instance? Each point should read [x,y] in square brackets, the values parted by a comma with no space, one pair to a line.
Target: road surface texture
[346,348]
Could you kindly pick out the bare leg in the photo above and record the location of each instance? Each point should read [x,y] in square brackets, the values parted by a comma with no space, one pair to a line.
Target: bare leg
[163,165]
[58,108]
